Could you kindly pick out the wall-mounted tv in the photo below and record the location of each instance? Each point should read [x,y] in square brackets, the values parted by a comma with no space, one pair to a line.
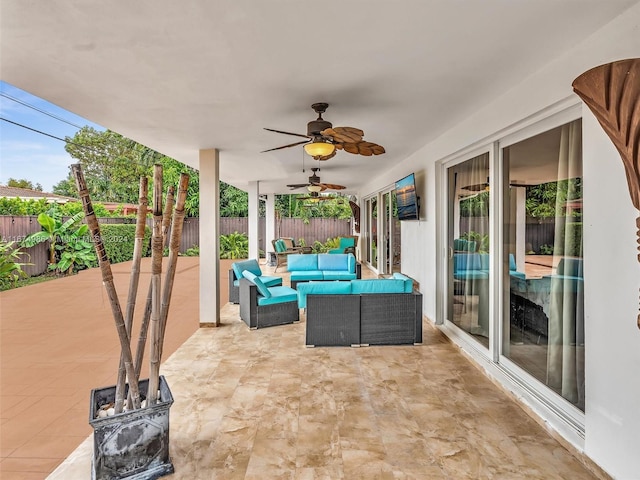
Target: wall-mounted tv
[406,199]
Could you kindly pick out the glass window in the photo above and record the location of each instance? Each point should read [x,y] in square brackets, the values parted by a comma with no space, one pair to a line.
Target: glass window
[543,324]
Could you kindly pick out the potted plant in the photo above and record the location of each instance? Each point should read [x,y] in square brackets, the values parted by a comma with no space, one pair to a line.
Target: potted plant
[131,419]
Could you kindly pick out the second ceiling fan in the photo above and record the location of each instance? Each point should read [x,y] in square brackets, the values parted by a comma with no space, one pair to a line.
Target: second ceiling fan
[322,141]
[315,186]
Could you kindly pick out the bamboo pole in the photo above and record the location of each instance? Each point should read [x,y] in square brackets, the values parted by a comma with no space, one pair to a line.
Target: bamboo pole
[174,248]
[144,326]
[156,282]
[166,219]
[141,219]
[107,279]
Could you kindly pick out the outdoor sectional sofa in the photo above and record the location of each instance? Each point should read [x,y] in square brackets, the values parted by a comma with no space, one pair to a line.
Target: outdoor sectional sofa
[235,274]
[362,312]
[322,266]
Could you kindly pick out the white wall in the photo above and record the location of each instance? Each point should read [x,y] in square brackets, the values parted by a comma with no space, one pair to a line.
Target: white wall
[612,280]
[612,272]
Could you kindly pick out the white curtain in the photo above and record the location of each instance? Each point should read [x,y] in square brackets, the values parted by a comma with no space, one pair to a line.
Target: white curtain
[565,356]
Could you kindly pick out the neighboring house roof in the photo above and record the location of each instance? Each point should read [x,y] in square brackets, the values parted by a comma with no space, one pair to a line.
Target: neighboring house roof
[28,194]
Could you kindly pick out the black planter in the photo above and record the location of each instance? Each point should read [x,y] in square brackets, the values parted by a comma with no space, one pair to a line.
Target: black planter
[132,445]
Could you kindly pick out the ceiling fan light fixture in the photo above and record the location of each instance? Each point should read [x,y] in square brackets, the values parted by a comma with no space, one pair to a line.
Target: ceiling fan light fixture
[319,148]
[314,188]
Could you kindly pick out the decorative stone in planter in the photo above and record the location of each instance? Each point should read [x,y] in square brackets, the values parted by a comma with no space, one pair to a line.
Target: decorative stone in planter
[132,445]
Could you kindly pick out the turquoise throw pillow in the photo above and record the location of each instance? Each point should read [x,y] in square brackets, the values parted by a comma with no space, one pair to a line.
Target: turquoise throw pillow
[262,288]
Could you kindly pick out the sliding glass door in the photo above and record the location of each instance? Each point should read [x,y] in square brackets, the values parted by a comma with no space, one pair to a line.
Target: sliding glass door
[543,324]
[468,245]
[520,292]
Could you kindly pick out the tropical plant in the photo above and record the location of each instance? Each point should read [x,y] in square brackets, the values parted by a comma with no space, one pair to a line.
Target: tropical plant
[192,252]
[331,243]
[56,232]
[10,267]
[481,239]
[75,252]
[235,245]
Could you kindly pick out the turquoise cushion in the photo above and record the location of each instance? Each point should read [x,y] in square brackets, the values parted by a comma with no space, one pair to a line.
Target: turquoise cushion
[279,295]
[377,286]
[484,261]
[337,275]
[305,276]
[250,265]
[271,281]
[280,246]
[321,288]
[347,242]
[262,288]
[571,267]
[297,262]
[333,262]
[408,283]
[512,263]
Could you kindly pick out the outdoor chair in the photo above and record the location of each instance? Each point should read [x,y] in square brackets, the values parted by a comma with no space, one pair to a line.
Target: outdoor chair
[283,247]
[346,245]
[262,306]
[235,274]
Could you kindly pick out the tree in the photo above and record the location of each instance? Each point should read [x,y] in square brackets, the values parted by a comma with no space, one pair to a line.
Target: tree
[24,183]
[113,164]
[548,199]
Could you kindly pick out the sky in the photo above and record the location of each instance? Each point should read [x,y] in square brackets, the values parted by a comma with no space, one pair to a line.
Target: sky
[25,154]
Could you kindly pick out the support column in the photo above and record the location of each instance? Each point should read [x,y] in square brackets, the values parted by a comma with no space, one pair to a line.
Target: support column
[209,168]
[254,225]
[270,230]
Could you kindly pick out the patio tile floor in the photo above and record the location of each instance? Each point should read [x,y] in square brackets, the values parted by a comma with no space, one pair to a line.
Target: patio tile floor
[257,404]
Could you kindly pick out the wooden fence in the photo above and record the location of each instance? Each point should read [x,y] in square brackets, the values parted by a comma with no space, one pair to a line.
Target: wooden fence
[17,228]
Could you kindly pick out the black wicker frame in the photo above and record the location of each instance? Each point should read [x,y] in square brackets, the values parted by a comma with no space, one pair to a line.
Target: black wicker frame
[333,320]
[234,292]
[365,319]
[256,316]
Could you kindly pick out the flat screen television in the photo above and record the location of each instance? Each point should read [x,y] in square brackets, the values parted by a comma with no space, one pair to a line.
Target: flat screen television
[406,199]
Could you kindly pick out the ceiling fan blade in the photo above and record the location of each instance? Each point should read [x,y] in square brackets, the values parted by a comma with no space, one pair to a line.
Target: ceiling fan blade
[297,185]
[333,186]
[285,146]
[363,148]
[288,133]
[344,134]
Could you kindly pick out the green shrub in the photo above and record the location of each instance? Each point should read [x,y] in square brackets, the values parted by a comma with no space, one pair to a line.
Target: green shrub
[572,240]
[192,252]
[235,245]
[19,207]
[10,267]
[119,239]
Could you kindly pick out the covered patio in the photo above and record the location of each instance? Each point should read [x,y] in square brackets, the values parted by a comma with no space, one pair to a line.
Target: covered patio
[255,404]
[226,88]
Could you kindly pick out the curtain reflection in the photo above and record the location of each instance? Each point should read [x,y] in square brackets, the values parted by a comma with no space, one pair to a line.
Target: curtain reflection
[469,240]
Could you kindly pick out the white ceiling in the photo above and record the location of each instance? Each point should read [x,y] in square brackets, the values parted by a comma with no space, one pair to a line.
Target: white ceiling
[184,76]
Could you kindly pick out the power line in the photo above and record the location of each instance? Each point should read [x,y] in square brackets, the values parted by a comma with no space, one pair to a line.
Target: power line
[6,95]
[50,135]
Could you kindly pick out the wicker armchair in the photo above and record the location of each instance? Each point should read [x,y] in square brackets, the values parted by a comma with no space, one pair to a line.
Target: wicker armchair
[282,310]
[283,247]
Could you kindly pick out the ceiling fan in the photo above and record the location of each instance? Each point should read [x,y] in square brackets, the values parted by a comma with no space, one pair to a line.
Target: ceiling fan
[315,196]
[315,186]
[322,140]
